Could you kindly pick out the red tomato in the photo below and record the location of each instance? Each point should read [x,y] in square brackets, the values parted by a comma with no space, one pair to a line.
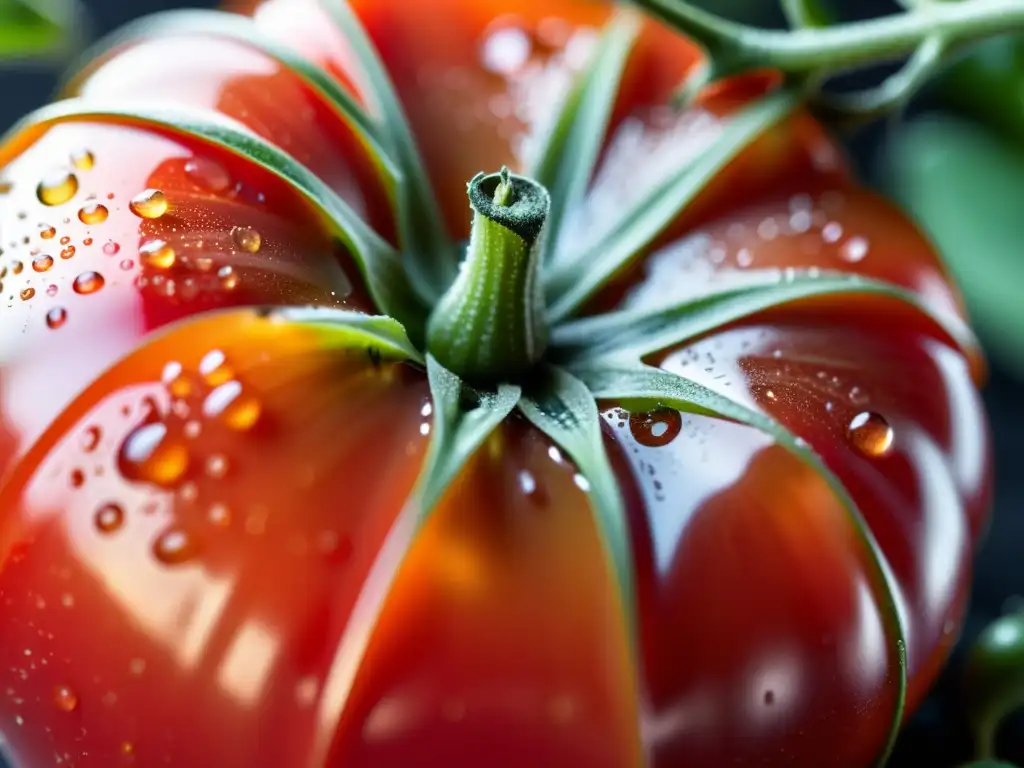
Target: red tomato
[221,586]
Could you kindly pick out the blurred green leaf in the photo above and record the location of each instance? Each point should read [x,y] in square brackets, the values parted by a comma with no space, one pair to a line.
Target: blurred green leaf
[39,28]
[965,186]
[988,85]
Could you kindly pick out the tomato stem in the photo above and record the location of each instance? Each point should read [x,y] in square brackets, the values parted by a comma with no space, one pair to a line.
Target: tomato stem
[814,52]
[490,325]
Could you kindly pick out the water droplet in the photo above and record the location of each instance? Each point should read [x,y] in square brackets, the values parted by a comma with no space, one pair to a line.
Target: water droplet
[88,282]
[94,213]
[126,264]
[27,293]
[217,466]
[207,173]
[52,289]
[91,439]
[870,434]
[16,267]
[247,238]
[87,241]
[83,159]
[111,248]
[235,409]
[56,317]
[228,278]
[156,253]
[68,252]
[149,454]
[657,428]
[65,698]
[174,547]
[109,518]
[57,187]
[46,231]
[77,478]
[42,263]
[149,204]
[854,249]
[65,240]
[127,748]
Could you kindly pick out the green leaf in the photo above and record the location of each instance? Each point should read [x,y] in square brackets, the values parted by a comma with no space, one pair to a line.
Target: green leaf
[432,257]
[562,407]
[39,28]
[633,333]
[995,679]
[463,419]
[644,383]
[382,337]
[571,283]
[568,158]
[377,260]
[243,29]
[965,186]
[988,85]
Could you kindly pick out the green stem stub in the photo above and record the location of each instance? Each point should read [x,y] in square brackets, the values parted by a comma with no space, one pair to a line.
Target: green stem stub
[489,326]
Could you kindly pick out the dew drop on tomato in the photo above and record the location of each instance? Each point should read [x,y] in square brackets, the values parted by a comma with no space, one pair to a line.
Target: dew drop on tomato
[47,231]
[247,238]
[233,407]
[149,454]
[174,547]
[88,282]
[657,428]
[207,174]
[854,249]
[214,368]
[870,434]
[91,439]
[94,213]
[57,188]
[109,518]
[27,293]
[77,478]
[83,159]
[228,278]
[42,263]
[149,204]
[157,253]
[65,698]
[56,318]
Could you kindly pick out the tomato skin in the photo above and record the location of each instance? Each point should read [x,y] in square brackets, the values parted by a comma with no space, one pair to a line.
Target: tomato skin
[764,635]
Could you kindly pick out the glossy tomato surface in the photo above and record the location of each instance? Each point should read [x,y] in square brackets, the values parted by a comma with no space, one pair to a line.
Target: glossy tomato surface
[201,528]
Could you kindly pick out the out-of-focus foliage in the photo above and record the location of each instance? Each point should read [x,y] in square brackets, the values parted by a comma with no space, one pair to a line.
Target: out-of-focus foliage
[965,186]
[39,29]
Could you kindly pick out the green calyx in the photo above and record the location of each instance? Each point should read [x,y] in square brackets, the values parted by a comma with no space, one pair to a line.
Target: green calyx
[490,324]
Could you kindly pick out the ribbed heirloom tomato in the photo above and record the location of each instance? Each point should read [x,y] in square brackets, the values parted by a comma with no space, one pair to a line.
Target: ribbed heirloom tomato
[690,476]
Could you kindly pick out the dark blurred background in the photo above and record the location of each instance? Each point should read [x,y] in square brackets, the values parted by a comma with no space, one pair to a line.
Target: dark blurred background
[938,735]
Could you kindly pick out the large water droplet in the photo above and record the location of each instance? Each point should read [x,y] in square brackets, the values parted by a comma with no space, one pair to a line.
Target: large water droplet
[657,428]
[174,547]
[247,238]
[88,282]
[158,254]
[93,213]
[47,231]
[870,434]
[56,317]
[83,159]
[57,187]
[42,263]
[68,252]
[149,454]
[109,518]
[149,204]
[207,174]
